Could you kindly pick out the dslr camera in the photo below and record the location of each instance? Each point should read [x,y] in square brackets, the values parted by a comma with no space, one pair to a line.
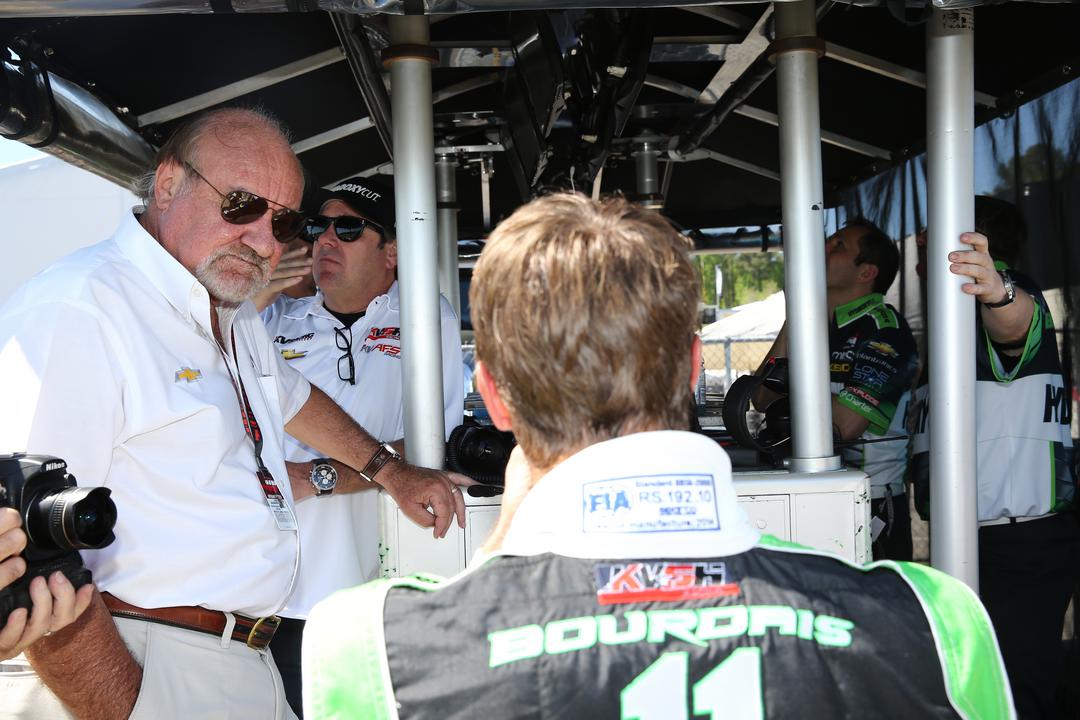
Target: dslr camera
[481,452]
[59,519]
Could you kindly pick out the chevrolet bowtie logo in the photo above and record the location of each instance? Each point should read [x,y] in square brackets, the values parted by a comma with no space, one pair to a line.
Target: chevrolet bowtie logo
[187,374]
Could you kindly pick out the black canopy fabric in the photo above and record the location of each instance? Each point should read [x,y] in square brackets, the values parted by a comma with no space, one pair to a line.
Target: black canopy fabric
[142,63]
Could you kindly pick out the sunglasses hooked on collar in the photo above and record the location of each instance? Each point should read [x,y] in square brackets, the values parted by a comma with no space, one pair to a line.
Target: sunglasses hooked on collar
[347,227]
[240,207]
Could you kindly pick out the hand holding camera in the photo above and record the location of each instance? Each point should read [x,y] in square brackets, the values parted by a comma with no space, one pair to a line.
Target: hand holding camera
[54,604]
[43,584]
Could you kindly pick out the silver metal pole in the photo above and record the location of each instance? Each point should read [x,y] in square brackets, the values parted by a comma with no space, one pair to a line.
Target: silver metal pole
[446,184]
[414,188]
[727,362]
[648,175]
[796,52]
[950,122]
[487,165]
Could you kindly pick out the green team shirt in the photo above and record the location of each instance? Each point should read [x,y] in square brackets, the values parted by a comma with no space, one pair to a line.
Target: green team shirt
[872,365]
[1023,423]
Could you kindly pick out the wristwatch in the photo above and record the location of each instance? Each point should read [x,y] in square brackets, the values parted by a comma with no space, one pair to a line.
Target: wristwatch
[323,476]
[383,455]
[1010,292]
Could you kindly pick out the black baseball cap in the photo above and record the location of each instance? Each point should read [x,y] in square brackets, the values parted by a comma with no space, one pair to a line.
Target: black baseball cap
[370,197]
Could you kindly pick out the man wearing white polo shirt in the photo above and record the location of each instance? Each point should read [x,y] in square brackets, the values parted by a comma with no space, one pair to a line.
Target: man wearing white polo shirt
[346,340]
[139,362]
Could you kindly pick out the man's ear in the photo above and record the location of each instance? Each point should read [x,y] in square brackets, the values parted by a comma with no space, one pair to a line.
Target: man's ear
[868,272]
[168,180]
[391,254]
[500,415]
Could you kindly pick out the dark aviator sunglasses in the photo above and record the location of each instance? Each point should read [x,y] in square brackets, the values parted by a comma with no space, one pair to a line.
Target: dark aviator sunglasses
[240,207]
[347,227]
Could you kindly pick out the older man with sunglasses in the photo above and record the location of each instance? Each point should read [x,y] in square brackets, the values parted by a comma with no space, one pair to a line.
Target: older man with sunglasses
[139,362]
[345,339]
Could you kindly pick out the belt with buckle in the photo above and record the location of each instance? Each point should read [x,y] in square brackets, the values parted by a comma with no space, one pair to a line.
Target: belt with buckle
[254,632]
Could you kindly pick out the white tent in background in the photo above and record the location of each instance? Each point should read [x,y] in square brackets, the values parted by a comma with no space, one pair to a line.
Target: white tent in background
[48,209]
[736,344]
[758,320]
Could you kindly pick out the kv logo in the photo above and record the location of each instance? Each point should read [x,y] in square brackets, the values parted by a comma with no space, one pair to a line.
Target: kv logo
[1057,407]
[637,576]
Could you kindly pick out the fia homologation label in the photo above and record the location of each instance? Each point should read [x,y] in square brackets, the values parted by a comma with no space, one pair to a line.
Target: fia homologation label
[652,503]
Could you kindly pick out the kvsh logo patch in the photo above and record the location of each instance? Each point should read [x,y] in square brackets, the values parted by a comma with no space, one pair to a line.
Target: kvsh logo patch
[661,582]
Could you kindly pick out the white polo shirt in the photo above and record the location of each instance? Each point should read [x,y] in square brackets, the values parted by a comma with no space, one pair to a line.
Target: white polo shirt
[660,494]
[108,361]
[340,532]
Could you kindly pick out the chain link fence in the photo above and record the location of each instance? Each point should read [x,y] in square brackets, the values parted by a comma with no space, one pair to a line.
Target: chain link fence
[731,358]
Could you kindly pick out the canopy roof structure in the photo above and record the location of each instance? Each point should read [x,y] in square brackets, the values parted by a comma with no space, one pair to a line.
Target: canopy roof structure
[674,104]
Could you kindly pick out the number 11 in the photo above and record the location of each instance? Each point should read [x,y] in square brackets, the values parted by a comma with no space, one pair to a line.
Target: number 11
[732,689]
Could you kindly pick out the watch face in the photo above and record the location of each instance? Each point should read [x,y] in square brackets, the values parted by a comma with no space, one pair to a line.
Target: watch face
[323,477]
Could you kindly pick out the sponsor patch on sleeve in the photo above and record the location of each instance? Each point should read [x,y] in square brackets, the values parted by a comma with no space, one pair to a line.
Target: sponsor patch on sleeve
[653,503]
[643,581]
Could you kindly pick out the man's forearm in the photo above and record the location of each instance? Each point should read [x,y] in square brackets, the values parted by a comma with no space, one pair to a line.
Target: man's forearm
[1009,324]
[763,397]
[349,480]
[88,666]
[323,425]
[847,423]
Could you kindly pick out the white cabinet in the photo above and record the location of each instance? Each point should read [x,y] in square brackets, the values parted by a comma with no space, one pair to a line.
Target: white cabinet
[406,548]
[826,511]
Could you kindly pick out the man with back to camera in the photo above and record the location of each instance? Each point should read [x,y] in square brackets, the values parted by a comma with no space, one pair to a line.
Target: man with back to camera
[622,579]
[872,364]
[346,340]
[1028,536]
[139,362]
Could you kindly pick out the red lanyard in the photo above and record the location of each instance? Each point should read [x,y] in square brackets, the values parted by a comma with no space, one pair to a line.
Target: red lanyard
[283,514]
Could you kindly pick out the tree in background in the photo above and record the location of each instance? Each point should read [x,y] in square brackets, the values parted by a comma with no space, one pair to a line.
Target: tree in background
[748,277]
[1035,166]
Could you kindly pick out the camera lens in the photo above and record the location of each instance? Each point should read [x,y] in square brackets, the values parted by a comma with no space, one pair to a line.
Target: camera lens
[73,519]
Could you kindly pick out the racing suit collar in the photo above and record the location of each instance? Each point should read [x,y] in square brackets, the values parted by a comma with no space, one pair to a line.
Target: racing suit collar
[645,495]
[851,311]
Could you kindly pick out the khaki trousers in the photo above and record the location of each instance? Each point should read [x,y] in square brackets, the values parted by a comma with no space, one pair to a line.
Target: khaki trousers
[187,675]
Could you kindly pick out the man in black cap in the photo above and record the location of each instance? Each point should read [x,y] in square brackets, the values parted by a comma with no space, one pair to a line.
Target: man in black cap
[346,340]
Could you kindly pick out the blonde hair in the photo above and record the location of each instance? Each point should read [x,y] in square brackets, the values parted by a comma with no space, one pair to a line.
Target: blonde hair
[584,313]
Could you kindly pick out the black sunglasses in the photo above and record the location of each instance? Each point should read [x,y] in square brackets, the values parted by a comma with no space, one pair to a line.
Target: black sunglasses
[241,207]
[346,227]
